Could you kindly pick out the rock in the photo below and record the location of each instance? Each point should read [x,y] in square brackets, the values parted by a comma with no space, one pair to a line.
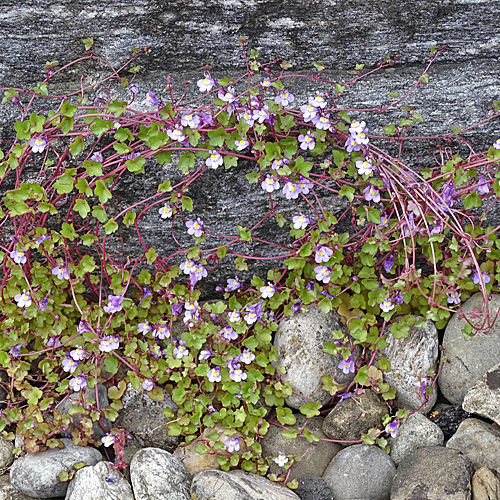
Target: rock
[8,492]
[193,461]
[448,418]
[299,342]
[433,473]
[484,397]
[89,404]
[415,432]
[99,482]
[6,457]
[37,474]
[360,472]
[237,485]
[156,473]
[469,359]
[485,485]
[478,440]
[318,455]
[143,419]
[313,488]
[354,416]
[410,358]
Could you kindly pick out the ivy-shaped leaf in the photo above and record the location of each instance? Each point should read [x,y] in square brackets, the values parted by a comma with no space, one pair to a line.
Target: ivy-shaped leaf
[102,191]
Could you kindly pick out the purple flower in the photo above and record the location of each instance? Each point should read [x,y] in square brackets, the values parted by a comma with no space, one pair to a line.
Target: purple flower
[246,356]
[18,256]
[384,221]
[389,263]
[191,312]
[496,144]
[323,273]
[181,350]
[205,354]
[421,385]
[392,428]
[357,127]
[322,122]
[371,193]
[188,266]
[108,440]
[109,343]
[133,88]
[247,115]
[309,112]
[151,100]
[131,156]
[200,271]
[352,145]
[78,353]
[207,118]
[188,119]
[69,364]
[318,101]
[41,239]
[146,293]
[234,316]
[23,299]
[306,141]
[176,309]
[436,229]
[37,144]
[161,331]
[237,374]
[445,200]
[241,144]
[267,291]
[54,342]
[166,211]
[483,186]
[227,95]
[78,383]
[176,134]
[347,365]
[261,114]
[229,333]
[365,167]
[97,156]
[214,160]
[114,304]
[266,83]
[232,444]
[295,308]
[206,84]
[214,375]
[61,272]
[195,228]
[387,305]
[148,384]
[362,138]
[284,98]
[346,395]
[279,162]
[14,352]
[475,277]
[254,313]
[398,298]
[454,297]
[304,186]
[42,305]
[301,221]
[82,327]
[270,184]
[323,254]
[291,191]
[281,459]
[233,284]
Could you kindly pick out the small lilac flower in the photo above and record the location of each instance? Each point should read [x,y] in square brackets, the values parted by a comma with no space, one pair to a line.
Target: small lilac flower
[484,186]
[398,298]
[261,114]
[38,144]
[237,374]
[214,375]
[233,284]
[131,156]
[188,119]
[270,184]
[295,308]
[267,291]
[205,354]
[23,299]
[365,167]
[362,138]
[151,100]
[200,271]
[206,84]
[300,221]
[496,144]
[229,333]
[352,145]
[436,229]
[78,353]
[195,227]
[227,95]
[148,384]
[214,160]
[323,254]
[281,459]
[247,115]
[162,332]
[116,125]
[322,122]
[114,304]
[309,112]
[266,83]
[14,352]
[387,305]
[78,383]
[61,272]
[389,263]
[207,118]
[284,98]
[384,221]
[241,144]
[247,356]
[176,309]
[279,162]
[18,256]
[191,312]
[108,440]
[97,157]
[232,444]
[304,186]
[371,193]
[454,297]
[421,385]
[109,343]
[234,316]
[357,127]
[323,273]
[346,395]
[41,239]
[188,266]
[347,365]
[82,327]
[146,293]
[54,342]
[306,141]
[176,134]
[318,101]
[291,191]
[475,277]
[69,365]
[133,88]
[392,428]
[181,350]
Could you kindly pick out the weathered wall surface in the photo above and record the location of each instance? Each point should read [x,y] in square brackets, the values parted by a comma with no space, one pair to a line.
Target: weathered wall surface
[184,36]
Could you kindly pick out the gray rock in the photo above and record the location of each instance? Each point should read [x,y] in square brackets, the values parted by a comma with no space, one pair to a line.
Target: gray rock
[318,455]
[6,457]
[469,359]
[37,475]
[99,482]
[299,342]
[485,485]
[433,473]
[156,473]
[143,419]
[448,418]
[237,485]
[484,398]
[415,432]
[478,440]
[8,492]
[313,488]
[360,472]
[410,358]
[89,404]
[354,416]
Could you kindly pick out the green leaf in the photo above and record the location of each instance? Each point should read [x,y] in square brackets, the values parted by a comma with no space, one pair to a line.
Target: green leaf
[88,42]
[319,66]
[99,126]
[164,157]
[151,255]
[187,203]
[244,234]
[93,168]
[230,161]
[41,88]
[102,191]
[217,137]
[88,239]
[129,218]
[67,125]
[111,364]
[36,122]
[136,165]
[310,409]
[186,161]
[117,108]
[424,79]
[68,231]
[390,129]
[76,146]
[165,187]
[253,177]
[82,207]
[285,416]
[23,130]
[64,184]
[472,200]
[348,192]
[384,365]
[111,226]
[99,213]
[68,109]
